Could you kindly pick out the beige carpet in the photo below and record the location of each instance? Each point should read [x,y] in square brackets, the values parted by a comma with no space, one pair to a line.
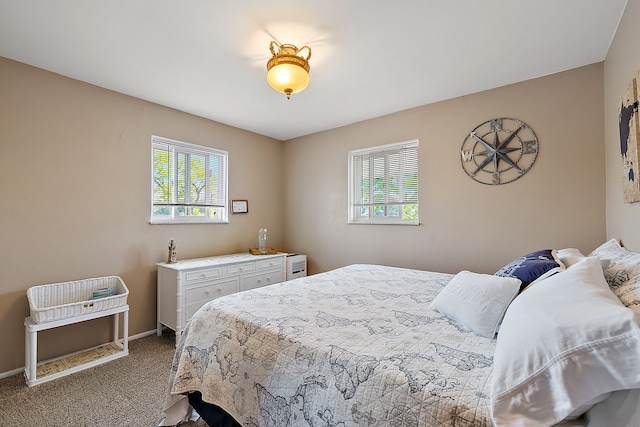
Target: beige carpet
[125,392]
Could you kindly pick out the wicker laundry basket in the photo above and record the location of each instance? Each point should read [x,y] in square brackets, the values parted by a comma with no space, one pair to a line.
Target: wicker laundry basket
[68,299]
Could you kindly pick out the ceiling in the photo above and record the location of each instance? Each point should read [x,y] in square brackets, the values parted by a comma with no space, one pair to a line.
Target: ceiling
[369,57]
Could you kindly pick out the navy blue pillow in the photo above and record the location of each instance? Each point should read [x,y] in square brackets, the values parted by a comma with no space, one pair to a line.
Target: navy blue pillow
[533,266]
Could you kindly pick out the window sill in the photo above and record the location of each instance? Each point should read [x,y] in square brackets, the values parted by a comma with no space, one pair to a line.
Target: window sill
[169,222]
[382,223]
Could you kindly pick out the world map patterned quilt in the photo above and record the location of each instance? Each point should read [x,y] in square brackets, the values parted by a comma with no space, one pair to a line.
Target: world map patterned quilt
[355,346]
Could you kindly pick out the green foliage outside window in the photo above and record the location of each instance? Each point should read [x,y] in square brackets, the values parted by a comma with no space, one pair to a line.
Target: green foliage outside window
[187,183]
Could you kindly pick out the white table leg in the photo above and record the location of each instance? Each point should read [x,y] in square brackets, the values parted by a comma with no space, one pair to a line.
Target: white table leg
[125,332]
[27,354]
[116,326]
[33,353]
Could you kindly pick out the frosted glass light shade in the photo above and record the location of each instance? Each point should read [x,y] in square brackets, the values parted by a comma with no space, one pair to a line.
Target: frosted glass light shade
[288,78]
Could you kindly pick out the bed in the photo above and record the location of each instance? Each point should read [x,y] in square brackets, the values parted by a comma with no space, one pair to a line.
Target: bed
[384,346]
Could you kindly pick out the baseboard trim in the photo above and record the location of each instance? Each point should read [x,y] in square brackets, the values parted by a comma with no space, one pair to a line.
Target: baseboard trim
[143,334]
[21,370]
[11,373]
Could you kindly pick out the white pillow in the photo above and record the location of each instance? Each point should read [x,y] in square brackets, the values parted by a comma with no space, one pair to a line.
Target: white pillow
[477,301]
[622,272]
[563,345]
[569,256]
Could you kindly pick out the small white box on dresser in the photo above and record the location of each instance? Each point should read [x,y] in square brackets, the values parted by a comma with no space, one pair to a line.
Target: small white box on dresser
[187,285]
[296,266]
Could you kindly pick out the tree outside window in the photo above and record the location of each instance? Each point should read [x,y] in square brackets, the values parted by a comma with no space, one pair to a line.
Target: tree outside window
[189,183]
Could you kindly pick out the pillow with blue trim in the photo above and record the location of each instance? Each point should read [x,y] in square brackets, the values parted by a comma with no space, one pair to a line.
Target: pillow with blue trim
[532,267]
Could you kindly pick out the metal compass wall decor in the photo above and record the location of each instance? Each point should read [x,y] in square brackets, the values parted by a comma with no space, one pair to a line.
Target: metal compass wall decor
[499,151]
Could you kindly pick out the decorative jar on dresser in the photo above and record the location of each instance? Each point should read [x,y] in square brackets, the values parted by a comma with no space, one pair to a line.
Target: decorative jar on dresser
[187,285]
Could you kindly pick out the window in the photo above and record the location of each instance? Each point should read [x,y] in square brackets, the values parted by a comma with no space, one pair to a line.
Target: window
[189,183]
[383,186]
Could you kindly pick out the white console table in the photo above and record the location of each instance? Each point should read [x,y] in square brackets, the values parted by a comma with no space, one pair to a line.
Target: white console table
[187,285]
[31,343]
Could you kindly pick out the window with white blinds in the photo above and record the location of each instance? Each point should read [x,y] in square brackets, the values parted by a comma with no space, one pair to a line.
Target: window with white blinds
[189,183]
[383,186]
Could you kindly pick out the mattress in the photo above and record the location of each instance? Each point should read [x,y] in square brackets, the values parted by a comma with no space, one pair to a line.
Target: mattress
[354,346]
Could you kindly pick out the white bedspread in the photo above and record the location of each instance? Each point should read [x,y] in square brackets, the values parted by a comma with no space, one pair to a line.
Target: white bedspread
[353,346]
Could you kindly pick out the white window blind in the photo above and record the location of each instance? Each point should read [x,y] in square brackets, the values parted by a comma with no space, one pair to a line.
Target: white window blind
[189,182]
[384,184]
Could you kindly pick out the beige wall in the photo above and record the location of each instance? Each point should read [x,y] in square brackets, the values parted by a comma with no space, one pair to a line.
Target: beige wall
[560,202]
[621,65]
[81,208]
[75,188]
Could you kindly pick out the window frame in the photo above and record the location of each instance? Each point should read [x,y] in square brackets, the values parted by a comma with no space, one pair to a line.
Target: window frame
[381,152]
[181,148]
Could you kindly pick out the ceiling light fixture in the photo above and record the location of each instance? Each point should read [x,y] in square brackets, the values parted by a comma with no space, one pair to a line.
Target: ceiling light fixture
[287,70]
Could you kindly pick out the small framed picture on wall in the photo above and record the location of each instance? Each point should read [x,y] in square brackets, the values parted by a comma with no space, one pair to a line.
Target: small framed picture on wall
[239,206]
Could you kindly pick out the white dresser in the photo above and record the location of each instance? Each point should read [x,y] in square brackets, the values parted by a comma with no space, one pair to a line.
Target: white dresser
[187,285]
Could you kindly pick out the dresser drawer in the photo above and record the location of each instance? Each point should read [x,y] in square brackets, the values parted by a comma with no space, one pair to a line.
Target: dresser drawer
[195,276]
[246,267]
[197,296]
[270,263]
[264,279]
